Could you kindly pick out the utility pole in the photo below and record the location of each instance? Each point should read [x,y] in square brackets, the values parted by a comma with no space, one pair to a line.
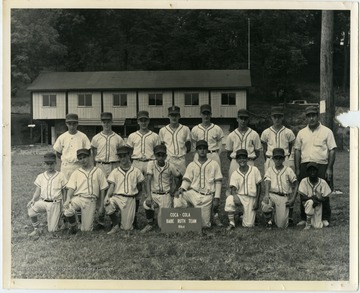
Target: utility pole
[327,104]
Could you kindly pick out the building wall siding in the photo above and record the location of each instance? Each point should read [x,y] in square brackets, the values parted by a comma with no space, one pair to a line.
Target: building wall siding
[220,111]
[41,112]
[155,111]
[85,113]
[190,111]
[120,112]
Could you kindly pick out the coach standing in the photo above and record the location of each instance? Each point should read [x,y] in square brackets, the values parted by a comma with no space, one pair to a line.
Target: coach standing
[315,143]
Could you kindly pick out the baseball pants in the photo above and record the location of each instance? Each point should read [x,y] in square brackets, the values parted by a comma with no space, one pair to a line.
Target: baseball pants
[52,209]
[126,205]
[197,200]
[234,165]
[87,206]
[107,168]
[326,213]
[67,168]
[247,203]
[163,200]
[315,213]
[281,211]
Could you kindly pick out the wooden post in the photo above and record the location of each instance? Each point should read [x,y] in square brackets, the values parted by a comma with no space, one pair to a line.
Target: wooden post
[326,68]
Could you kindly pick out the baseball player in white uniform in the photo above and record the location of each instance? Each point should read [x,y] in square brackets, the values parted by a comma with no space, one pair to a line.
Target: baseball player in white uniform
[68,143]
[242,137]
[86,185]
[313,191]
[142,142]
[201,184]
[159,180]
[280,190]
[125,183]
[50,187]
[277,136]
[177,139]
[245,187]
[105,144]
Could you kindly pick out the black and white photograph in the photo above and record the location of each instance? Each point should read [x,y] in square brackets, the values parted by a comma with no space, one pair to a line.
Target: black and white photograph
[180,143]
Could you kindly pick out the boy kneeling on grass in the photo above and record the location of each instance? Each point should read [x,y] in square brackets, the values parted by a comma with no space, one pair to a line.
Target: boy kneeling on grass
[125,184]
[50,189]
[86,185]
[313,191]
[280,191]
[245,188]
[160,175]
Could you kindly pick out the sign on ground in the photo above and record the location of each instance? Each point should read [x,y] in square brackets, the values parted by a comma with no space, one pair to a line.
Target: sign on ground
[180,220]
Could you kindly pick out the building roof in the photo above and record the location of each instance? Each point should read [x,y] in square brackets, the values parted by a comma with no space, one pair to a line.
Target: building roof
[177,79]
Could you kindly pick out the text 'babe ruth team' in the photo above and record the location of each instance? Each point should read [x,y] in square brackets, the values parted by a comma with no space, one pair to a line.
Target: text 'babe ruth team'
[110,177]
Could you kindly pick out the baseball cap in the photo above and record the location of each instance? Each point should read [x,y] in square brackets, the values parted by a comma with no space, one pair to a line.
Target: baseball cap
[160,149]
[278,152]
[49,157]
[243,112]
[277,111]
[143,114]
[202,143]
[311,110]
[312,164]
[205,108]
[83,152]
[106,116]
[241,152]
[71,117]
[124,149]
[174,110]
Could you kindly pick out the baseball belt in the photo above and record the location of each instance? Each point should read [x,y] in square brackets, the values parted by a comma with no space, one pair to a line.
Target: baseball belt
[280,193]
[160,192]
[213,151]
[204,193]
[125,195]
[52,200]
[106,163]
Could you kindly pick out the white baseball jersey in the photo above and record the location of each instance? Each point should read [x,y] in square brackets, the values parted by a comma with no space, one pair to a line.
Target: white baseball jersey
[245,184]
[106,147]
[175,139]
[277,139]
[212,134]
[87,183]
[143,144]
[202,177]
[320,189]
[161,176]
[315,145]
[126,181]
[281,180]
[67,144]
[250,141]
[51,186]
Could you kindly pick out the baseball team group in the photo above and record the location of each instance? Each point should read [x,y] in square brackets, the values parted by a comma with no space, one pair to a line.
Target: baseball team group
[110,177]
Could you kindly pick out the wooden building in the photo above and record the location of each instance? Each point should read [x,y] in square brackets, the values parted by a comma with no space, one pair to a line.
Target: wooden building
[124,93]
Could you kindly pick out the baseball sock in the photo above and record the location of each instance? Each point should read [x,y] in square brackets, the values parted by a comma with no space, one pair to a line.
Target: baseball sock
[114,219]
[231,219]
[35,222]
[136,210]
[72,220]
[150,214]
[267,217]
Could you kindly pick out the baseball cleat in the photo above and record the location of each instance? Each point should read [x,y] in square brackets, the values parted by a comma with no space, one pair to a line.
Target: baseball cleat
[72,230]
[326,223]
[114,230]
[301,223]
[269,225]
[307,227]
[35,233]
[230,227]
[147,228]
[217,222]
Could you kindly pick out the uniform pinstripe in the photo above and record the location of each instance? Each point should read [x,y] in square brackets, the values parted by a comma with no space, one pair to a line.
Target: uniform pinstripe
[174,140]
[87,186]
[280,182]
[246,190]
[50,189]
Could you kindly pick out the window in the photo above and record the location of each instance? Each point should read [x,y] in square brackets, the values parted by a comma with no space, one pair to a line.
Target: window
[228,99]
[84,100]
[120,100]
[155,99]
[49,100]
[191,99]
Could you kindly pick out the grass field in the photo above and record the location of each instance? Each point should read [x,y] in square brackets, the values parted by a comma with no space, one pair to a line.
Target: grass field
[244,254]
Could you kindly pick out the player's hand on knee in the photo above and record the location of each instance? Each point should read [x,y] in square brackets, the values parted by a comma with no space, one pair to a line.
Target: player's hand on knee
[149,202]
[237,201]
[106,201]
[266,199]
[30,204]
[66,204]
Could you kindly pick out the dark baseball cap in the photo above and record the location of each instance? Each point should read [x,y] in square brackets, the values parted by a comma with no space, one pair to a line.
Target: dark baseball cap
[160,149]
[278,152]
[124,149]
[143,114]
[243,113]
[241,152]
[312,110]
[202,143]
[205,108]
[277,111]
[71,117]
[174,110]
[83,152]
[106,116]
[49,157]
[312,164]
